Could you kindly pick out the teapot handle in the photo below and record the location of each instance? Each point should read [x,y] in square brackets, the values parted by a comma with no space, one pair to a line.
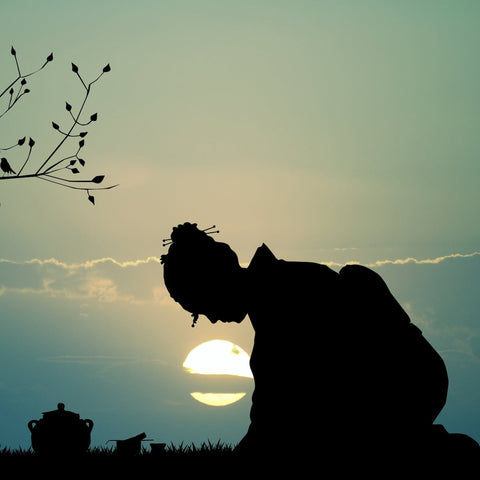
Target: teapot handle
[89,424]
[31,424]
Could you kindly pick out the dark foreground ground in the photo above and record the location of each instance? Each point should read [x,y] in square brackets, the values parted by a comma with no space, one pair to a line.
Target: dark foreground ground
[220,461]
[206,461]
[185,462]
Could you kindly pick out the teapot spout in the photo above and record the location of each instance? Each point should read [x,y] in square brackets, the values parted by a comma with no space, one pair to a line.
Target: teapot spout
[31,424]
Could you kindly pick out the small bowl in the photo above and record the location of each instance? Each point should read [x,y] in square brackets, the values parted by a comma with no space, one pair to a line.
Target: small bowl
[158,448]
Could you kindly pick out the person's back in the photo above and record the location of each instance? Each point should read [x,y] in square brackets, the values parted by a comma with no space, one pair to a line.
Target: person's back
[337,357]
[405,379]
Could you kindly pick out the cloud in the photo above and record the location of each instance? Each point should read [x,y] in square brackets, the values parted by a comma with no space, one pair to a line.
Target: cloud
[88,264]
[109,280]
[404,261]
[105,280]
[102,289]
[424,261]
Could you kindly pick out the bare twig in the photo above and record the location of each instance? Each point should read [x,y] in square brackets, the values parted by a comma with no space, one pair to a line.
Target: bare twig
[50,165]
[22,79]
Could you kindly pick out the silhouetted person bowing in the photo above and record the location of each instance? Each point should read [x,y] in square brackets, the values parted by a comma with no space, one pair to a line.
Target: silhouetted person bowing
[339,369]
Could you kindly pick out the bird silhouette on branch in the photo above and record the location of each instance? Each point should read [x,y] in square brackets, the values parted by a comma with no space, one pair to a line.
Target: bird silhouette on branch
[55,167]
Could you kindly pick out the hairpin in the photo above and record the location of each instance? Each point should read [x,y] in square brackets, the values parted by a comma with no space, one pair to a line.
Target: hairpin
[206,230]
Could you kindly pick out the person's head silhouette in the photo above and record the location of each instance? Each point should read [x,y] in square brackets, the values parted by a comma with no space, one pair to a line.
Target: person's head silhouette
[204,276]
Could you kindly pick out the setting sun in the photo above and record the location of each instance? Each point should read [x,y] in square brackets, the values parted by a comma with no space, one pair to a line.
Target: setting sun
[218,357]
[217,399]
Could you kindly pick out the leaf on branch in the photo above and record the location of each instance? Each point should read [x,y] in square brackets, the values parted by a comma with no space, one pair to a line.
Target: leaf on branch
[74,68]
[21,141]
[83,134]
[75,170]
[27,90]
[72,162]
[94,117]
[68,107]
[92,199]
[12,51]
[81,161]
[23,82]
[106,68]
[81,143]
[55,126]
[98,179]
[11,91]
[31,142]
[50,57]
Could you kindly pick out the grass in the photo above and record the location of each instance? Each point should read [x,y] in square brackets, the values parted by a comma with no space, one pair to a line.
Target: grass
[204,461]
[183,450]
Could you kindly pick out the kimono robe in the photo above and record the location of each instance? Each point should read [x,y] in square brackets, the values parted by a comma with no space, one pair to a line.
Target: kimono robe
[337,364]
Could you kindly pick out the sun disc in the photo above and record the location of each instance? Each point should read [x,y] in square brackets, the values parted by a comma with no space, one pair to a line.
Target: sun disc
[217,399]
[218,357]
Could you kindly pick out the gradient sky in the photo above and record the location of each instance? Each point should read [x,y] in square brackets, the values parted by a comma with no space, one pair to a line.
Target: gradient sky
[333,131]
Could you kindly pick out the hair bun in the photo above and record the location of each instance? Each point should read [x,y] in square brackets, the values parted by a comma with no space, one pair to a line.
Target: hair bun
[188,233]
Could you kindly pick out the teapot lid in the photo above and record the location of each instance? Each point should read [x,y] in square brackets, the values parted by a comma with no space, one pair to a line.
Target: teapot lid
[60,413]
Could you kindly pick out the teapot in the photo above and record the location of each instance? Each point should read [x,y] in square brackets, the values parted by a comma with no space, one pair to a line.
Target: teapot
[60,432]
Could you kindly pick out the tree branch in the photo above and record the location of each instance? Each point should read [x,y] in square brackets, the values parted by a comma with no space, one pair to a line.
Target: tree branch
[49,165]
[22,79]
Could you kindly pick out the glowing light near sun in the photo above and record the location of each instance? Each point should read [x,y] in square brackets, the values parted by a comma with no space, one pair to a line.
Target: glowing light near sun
[218,357]
[217,399]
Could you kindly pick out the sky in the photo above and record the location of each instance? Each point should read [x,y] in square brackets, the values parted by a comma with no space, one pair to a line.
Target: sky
[332,131]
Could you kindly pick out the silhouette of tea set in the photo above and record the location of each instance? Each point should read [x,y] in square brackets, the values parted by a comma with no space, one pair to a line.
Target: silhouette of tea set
[61,432]
[132,446]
